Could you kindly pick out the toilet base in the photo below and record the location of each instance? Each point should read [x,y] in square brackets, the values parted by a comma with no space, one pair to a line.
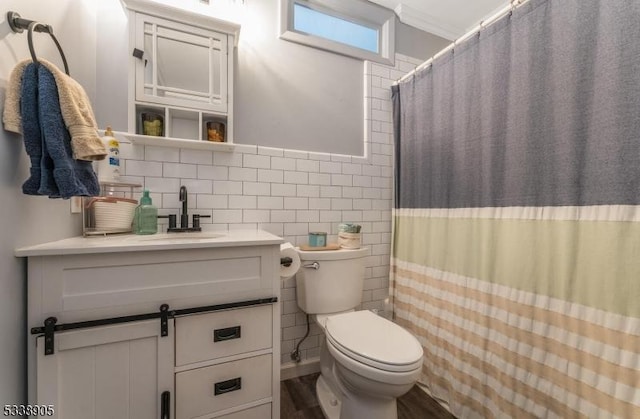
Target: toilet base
[329,402]
[355,405]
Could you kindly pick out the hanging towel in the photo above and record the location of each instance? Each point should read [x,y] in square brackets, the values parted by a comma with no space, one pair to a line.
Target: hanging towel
[73,177]
[32,136]
[11,113]
[74,104]
[78,116]
[54,172]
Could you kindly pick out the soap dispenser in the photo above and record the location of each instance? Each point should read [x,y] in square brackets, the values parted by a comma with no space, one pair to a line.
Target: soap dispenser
[145,220]
[109,168]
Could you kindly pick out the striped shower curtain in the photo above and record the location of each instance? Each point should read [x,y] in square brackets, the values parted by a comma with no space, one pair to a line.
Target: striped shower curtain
[516,244]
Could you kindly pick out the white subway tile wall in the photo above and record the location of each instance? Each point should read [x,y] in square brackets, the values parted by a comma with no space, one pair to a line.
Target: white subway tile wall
[289,193]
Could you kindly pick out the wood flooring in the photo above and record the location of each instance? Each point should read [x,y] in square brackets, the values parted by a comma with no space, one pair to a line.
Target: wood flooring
[298,401]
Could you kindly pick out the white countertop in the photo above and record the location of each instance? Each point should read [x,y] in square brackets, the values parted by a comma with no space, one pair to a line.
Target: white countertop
[160,241]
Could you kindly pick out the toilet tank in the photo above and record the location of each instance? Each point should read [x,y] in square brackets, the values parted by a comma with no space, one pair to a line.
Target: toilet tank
[337,283]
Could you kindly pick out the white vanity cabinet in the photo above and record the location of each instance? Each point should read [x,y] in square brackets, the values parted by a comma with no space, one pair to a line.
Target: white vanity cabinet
[217,355]
[181,75]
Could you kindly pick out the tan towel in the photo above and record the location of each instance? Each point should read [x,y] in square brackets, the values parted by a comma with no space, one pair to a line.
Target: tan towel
[11,113]
[74,104]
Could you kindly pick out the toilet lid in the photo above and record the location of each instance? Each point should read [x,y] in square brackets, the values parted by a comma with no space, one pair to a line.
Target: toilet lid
[374,341]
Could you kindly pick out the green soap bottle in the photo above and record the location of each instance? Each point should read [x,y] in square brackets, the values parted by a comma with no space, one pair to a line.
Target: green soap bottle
[145,220]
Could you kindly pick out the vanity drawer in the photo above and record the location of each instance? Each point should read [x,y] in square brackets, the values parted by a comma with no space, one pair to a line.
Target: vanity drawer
[210,389]
[259,412]
[208,336]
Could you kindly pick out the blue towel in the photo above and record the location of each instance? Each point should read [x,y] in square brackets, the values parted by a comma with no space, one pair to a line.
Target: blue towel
[31,129]
[60,176]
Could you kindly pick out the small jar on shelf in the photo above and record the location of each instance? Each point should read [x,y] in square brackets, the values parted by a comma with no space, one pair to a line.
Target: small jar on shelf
[215,131]
[150,120]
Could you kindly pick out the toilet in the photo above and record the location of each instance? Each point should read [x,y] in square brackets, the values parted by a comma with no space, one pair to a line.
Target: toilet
[366,361]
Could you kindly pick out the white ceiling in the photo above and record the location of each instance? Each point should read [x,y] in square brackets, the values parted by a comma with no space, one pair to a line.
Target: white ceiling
[449,19]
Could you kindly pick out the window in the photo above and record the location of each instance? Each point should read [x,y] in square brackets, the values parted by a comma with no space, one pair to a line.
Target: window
[313,22]
[350,27]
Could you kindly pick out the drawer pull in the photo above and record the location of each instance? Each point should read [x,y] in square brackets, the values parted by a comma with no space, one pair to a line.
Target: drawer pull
[220,335]
[228,386]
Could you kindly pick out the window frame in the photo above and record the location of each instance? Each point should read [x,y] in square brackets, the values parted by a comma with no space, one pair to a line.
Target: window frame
[356,11]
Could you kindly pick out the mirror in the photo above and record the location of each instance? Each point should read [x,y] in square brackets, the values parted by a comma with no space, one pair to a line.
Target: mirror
[182,64]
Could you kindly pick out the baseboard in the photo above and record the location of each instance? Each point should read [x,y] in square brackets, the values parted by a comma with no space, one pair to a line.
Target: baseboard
[298,369]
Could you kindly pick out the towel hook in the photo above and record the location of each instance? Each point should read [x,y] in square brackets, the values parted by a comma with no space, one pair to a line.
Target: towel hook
[49,30]
[18,25]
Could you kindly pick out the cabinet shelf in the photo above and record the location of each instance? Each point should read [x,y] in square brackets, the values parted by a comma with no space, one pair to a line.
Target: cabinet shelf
[176,142]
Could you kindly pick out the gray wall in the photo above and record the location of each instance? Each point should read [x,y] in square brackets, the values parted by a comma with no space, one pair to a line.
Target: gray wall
[286,95]
[25,219]
[293,96]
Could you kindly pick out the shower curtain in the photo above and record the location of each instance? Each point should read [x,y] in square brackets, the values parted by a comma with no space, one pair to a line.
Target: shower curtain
[516,244]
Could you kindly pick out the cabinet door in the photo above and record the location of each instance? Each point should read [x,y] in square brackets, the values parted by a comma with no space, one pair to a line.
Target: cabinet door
[182,65]
[117,372]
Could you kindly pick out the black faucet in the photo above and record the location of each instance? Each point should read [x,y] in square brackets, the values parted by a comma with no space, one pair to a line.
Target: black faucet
[184,217]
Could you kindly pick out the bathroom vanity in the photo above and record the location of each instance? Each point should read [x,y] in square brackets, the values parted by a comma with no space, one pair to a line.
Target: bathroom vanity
[161,326]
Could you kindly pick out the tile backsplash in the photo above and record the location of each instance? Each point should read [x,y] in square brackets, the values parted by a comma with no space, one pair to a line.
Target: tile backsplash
[289,193]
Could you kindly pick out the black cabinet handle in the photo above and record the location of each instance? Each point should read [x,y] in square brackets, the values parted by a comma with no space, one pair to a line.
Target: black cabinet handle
[165,405]
[138,53]
[228,333]
[228,386]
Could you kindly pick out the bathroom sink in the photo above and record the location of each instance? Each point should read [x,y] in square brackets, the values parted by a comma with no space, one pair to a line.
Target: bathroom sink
[182,237]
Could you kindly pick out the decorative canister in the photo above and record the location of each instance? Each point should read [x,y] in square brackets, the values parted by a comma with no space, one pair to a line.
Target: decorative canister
[349,236]
[317,239]
[349,240]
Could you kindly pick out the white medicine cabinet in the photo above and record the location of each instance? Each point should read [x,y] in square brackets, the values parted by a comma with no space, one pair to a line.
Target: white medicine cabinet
[180,78]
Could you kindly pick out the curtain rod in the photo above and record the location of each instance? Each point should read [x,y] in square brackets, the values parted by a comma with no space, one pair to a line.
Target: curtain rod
[513,5]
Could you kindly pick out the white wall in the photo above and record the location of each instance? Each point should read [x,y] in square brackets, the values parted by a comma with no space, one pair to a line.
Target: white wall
[416,43]
[26,219]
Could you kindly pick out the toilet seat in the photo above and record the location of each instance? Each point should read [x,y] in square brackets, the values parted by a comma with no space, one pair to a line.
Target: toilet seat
[374,341]
[372,373]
